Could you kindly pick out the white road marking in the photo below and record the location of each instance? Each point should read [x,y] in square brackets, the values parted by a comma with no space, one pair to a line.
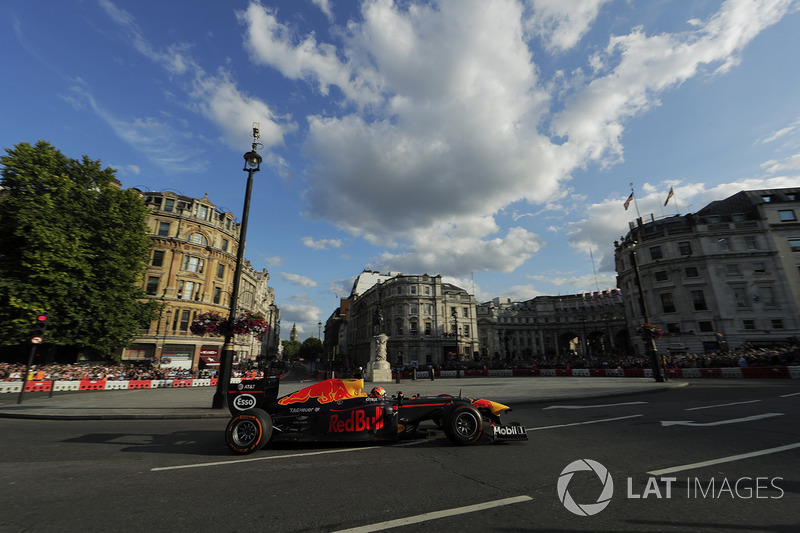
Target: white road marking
[718,422]
[583,423]
[787,395]
[721,405]
[435,515]
[590,406]
[263,458]
[728,459]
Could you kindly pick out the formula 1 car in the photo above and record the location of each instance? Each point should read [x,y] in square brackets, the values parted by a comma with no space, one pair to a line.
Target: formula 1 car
[338,410]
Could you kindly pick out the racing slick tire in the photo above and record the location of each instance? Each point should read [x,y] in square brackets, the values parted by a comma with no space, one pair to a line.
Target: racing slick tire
[463,425]
[248,431]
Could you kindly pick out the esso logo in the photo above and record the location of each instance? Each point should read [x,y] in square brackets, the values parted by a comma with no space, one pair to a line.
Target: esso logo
[243,402]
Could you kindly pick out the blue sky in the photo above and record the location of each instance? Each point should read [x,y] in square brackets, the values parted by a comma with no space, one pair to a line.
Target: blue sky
[491,142]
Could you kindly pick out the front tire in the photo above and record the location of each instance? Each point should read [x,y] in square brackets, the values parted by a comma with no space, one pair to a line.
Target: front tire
[463,425]
[248,431]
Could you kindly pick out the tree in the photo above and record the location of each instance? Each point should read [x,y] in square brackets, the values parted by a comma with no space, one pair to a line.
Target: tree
[311,349]
[73,246]
[291,350]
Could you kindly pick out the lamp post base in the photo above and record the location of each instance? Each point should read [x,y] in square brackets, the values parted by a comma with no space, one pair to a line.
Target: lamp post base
[220,400]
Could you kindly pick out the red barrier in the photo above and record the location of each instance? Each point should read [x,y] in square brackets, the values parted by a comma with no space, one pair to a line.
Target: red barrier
[523,372]
[634,372]
[89,384]
[37,386]
[182,383]
[214,382]
[711,372]
[766,372]
[139,384]
[599,372]
[674,373]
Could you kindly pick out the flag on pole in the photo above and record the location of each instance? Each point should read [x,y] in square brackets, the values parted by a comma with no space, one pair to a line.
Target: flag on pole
[670,195]
[628,201]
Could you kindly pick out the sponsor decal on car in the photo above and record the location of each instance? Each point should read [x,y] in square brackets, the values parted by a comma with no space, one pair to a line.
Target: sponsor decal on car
[510,432]
[243,402]
[357,420]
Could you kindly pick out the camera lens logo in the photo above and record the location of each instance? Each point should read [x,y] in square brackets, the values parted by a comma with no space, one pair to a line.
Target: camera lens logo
[586,509]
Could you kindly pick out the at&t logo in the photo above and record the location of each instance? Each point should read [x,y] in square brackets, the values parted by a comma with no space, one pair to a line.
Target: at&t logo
[585,509]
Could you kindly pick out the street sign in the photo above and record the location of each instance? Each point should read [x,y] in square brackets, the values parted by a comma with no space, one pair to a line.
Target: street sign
[36,340]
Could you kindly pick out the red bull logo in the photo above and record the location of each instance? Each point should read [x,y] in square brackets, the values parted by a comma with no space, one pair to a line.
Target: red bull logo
[357,421]
[330,390]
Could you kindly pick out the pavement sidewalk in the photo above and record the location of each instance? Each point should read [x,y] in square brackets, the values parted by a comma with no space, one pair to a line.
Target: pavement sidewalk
[195,402]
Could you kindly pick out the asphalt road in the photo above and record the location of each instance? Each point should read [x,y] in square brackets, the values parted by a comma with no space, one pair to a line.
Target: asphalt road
[714,456]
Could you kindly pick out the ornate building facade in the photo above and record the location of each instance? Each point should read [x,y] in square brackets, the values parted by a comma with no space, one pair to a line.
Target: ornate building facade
[585,325]
[191,271]
[727,275]
[428,321]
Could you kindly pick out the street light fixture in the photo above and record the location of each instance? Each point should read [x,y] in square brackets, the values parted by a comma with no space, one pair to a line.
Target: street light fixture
[650,344]
[252,165]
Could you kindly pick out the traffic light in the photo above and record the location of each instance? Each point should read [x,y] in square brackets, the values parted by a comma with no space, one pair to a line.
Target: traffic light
[38,331]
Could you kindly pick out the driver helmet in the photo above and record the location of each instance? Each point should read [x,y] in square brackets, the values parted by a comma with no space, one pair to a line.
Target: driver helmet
[378,392]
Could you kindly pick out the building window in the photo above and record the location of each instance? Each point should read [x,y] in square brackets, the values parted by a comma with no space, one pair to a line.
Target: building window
[163,229]
[413,289]
[758,268]
[673,327]
[184,320]
[465,329]
[413,328]
[169,205]
[767,296]
[667,303]
[740,297]
[655,253]
[427,328]
[705,325]
[465,312]
[750,242]
[738,217]
[220,271]
[217,294]
[766,199]
[158,258]
[794,244]
[227,223]
[732,269]
[201,211]
[186,290]
[428,309]
[777,323]
[198,238]
[427,290]
[398,327]
[685,248]
[749,324]
[224,245]
[699,301]
[662,275]
[414,309]
[691,272]
[724,244]
[193,264]
[152,286]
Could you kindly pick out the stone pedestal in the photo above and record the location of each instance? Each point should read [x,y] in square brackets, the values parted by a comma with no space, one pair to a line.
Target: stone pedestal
[378,369]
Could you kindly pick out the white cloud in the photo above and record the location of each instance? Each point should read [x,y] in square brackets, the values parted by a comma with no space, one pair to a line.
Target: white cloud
[322,244]
[325,7]
[562,23]
[789,163]
[297,279]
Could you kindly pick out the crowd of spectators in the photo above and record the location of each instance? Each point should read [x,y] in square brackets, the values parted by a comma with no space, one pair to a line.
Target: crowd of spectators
[97,372]
[743,356]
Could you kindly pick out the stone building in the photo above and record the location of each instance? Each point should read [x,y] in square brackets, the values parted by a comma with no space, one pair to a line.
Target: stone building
[587,325]
[726,275]
[191,271]
[428,321]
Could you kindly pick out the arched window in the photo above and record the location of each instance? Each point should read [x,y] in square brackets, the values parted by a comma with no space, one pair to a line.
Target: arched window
[198,238]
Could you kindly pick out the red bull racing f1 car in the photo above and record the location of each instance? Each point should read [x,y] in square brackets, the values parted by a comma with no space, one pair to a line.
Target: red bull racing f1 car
[339,410]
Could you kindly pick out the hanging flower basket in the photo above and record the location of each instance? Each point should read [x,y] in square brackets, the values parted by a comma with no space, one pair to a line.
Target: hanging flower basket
[649,332]
[214,325]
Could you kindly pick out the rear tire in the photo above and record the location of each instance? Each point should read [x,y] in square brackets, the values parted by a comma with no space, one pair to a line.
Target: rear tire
[248,431]
[463,425]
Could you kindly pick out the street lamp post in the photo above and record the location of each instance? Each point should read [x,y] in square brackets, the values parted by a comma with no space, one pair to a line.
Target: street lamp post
[650,344]
[252,165]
